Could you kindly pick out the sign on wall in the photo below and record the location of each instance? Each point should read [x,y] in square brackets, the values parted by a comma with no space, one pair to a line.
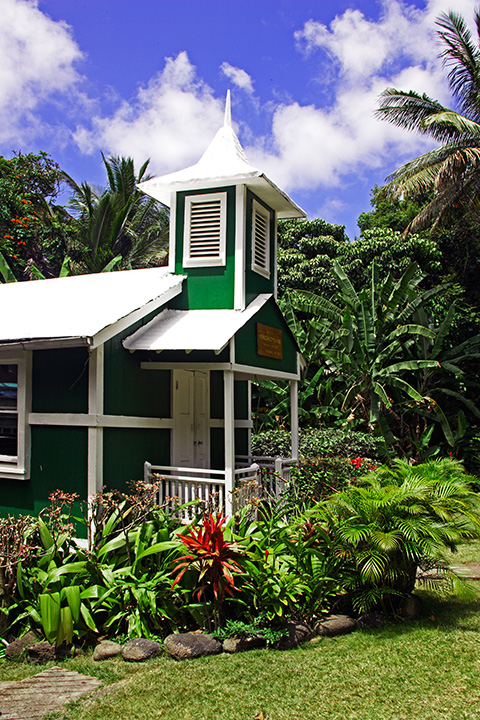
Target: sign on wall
[269,341]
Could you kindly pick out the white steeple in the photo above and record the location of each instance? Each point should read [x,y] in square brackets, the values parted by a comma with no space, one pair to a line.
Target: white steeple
[223,163]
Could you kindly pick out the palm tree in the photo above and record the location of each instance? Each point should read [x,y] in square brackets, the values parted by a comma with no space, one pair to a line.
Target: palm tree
[451,172]
[121,227]
[397,519]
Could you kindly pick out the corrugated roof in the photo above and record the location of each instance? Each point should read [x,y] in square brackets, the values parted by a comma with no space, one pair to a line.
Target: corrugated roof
[81,306]
[193,329]
[223,163]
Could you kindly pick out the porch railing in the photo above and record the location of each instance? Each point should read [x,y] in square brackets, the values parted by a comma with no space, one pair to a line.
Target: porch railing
[255,477]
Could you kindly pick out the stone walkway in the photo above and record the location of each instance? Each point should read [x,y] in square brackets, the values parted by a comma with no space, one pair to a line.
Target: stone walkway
[469,571]
[40,694]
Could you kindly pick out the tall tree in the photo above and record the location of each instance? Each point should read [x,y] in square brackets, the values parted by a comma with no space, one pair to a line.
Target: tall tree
[452,170]
[119,227]
[34,230]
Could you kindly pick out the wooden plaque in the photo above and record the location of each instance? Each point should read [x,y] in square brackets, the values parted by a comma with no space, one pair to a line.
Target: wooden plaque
[269,342]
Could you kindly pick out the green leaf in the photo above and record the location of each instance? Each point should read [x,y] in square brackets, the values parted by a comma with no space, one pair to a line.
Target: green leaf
[5,271]
[113,264]
[88,619]
[65,628]
[157,548]
[45,535]
[50,614]
[72,595]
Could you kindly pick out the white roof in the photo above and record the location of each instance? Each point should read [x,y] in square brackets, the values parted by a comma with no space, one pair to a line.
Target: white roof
[193,329]
[82,306]
[223,163]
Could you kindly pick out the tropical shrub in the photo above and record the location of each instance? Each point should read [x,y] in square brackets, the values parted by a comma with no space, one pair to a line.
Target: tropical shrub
[53,592]
[396,520]
[318,442]
[325,460]
[19,544]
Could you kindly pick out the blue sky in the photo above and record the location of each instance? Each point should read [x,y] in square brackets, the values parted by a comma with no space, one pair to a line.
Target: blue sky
[148,78]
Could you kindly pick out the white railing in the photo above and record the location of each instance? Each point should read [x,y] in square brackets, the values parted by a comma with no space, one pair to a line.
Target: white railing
[255,477]
[275,471]
[201,486]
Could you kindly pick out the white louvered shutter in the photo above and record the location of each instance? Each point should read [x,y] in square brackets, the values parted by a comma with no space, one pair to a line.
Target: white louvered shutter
[205,230]
[260,239]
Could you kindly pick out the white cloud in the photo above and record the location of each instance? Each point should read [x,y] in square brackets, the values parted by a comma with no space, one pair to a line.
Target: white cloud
[171,120]
[37,63]
[319,147]
[174,117]
[239,77]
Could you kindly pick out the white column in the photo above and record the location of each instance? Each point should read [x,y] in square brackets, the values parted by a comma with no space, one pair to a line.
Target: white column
[228,378]
[95,434]
[294,417]
[249,416]
[240,247]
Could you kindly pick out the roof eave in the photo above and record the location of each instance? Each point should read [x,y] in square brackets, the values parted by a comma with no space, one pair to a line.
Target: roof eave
[262,186]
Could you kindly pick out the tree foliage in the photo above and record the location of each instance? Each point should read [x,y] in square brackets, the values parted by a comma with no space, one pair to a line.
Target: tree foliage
[451,171]
[119,227]
[35,231]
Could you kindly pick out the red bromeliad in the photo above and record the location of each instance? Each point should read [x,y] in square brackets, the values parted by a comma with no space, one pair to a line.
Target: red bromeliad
[214,557]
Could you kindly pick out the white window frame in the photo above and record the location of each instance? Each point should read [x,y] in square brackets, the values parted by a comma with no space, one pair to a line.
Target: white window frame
[261,210]
[206,261]
[18,467]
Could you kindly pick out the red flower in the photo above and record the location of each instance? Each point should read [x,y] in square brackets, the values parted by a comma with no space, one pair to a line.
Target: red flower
[356,462]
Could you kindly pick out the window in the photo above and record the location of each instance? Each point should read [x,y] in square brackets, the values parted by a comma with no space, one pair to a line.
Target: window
[260,239]
[205,230]
[14,435]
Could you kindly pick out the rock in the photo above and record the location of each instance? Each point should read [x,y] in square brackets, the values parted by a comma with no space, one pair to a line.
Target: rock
[106,649]
[41,653]
[411,608]
[372,619]
[332,625]
[140,649]
[182,646]
[234,644]
[297,633]
[16,650]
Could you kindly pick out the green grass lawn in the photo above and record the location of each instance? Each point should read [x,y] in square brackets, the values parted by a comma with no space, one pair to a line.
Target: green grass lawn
[468,552]
[427,669]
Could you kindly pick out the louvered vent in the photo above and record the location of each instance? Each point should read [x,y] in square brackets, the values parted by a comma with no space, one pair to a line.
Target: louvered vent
[205,226]
[205,229]
[261,240]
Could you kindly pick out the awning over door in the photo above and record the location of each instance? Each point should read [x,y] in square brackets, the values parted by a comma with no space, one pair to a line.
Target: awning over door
[193,329]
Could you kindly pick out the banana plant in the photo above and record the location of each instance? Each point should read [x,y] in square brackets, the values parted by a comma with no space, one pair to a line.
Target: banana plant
[367,342]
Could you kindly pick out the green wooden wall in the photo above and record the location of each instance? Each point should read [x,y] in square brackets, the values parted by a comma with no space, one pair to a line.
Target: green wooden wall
[256,284]
[206,287]
[246,341]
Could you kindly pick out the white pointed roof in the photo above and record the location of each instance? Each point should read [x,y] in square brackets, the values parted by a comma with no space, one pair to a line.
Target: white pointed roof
[223,163]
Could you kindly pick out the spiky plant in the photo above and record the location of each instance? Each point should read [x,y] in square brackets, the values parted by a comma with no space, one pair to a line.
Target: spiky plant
[398,519]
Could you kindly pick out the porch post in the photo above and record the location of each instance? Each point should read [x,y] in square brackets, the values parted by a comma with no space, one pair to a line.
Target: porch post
[229,414]
[294,417]
[95,434]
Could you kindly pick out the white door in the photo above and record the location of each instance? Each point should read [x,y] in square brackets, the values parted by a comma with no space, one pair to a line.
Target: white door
[190,441]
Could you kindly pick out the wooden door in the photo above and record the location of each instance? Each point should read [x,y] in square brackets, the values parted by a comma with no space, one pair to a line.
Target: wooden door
[191,402]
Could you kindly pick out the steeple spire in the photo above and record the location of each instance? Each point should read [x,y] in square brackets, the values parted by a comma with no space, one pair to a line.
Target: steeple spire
[228,113]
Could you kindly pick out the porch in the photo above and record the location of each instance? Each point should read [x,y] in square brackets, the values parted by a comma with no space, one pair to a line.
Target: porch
[254,477]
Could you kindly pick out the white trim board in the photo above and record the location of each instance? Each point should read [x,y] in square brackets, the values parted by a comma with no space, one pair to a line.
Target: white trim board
[98,421]
[109,332]
[118,421]
[245,372]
